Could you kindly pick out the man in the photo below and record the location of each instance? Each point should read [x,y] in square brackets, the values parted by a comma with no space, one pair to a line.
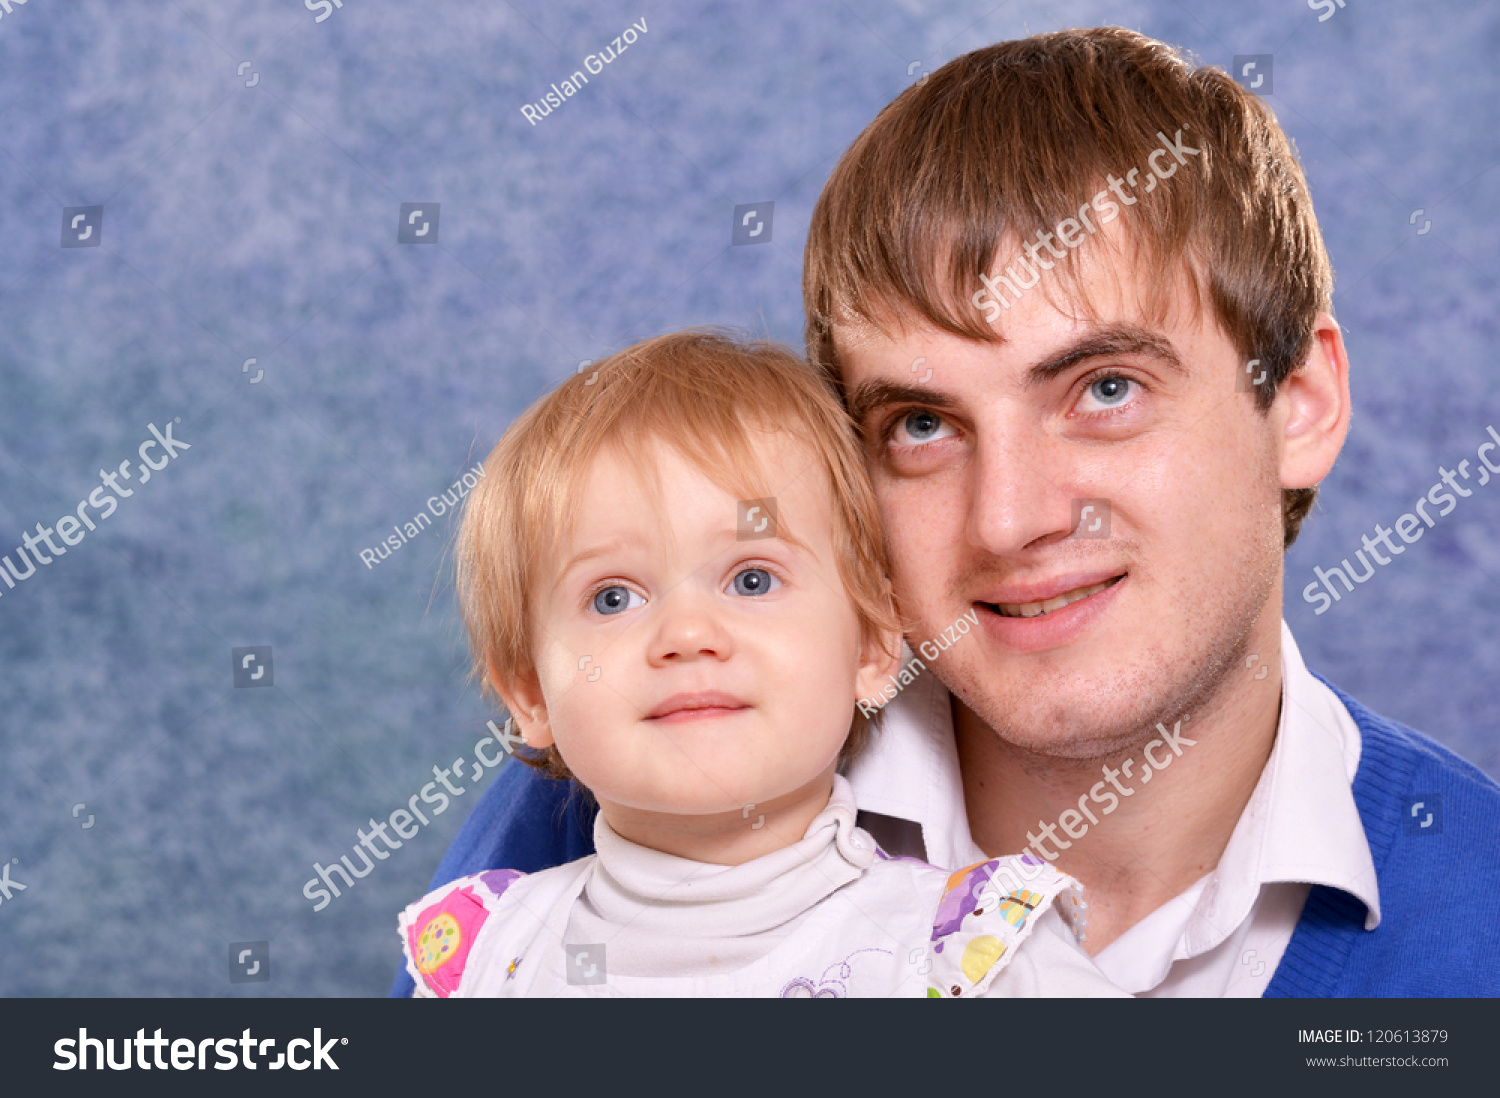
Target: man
[1075,298]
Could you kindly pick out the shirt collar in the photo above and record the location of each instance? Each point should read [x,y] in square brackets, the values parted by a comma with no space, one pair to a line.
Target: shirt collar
[1301,823]
[909,768]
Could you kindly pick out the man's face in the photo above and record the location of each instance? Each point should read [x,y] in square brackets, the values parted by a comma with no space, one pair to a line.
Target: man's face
[1096,489]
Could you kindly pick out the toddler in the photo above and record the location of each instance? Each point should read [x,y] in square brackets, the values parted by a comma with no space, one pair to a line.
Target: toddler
[672,576]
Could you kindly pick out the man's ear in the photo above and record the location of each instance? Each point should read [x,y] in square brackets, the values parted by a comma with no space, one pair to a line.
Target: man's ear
[879,656]
[523,697]
[1314,401]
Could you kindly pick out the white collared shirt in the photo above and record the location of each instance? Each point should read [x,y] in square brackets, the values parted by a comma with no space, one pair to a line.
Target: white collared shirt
[1225,934]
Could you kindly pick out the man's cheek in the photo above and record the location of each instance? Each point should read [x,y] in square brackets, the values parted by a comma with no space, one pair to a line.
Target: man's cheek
[916,527]
[915,575]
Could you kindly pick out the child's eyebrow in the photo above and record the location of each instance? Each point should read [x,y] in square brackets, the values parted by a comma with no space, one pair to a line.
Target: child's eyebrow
[614,545]
[724,539]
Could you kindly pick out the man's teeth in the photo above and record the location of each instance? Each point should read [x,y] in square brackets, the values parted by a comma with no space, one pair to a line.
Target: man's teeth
[1034,609]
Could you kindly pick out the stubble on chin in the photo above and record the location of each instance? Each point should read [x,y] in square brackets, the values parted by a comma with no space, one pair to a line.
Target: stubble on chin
[1094,717]
[1111,708]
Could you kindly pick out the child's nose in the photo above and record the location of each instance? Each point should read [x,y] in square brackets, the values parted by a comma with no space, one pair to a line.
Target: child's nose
[689,629]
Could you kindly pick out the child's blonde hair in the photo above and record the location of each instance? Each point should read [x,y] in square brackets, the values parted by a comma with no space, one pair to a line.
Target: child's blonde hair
[702,391]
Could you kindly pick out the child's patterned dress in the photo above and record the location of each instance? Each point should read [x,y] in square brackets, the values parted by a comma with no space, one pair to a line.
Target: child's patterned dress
[896,927]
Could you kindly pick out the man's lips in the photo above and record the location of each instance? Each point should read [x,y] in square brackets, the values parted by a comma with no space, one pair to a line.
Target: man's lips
[1044,597]
[1018,622]
[696,706]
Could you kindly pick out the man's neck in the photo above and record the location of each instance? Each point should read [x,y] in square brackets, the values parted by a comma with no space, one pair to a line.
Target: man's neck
[1144,846]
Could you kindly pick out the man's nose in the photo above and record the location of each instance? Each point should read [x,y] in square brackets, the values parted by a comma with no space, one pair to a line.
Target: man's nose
[1022,491]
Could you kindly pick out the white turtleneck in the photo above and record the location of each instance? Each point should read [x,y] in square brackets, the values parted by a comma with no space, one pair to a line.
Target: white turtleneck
[661,915]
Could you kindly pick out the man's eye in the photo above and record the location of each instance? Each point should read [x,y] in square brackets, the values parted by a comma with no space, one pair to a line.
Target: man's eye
[921,426]
[1111,391]
[615,599]
[754,581]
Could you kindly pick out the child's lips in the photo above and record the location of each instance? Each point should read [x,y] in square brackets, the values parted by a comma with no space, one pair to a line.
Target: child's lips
[703,705]
[705,713]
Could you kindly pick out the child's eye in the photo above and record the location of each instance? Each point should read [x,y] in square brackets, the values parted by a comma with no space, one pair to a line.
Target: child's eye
[754,581]
[616,599]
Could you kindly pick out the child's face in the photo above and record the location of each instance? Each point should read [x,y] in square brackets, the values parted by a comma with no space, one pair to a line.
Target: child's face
[683,669]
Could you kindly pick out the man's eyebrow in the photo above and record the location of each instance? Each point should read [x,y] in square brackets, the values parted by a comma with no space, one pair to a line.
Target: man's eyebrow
[1117,339]
[1108,342]
[869,396]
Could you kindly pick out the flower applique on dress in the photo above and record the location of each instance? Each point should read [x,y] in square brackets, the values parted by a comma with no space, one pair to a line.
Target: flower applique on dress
[439,938]
[980,921]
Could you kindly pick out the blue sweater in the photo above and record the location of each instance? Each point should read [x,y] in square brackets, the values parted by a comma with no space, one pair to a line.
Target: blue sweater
[1439,885]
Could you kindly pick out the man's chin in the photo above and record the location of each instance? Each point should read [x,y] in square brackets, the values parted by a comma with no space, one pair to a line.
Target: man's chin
[1050,708]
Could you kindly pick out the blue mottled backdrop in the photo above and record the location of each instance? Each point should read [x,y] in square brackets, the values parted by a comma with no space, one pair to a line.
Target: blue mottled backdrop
[251,158]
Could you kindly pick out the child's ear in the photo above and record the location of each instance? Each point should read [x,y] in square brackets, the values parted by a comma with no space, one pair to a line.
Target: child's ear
[523,697]
[879,656]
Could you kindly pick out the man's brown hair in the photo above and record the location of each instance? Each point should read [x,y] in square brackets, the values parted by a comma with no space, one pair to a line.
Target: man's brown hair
[1005,142]
[701,391]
